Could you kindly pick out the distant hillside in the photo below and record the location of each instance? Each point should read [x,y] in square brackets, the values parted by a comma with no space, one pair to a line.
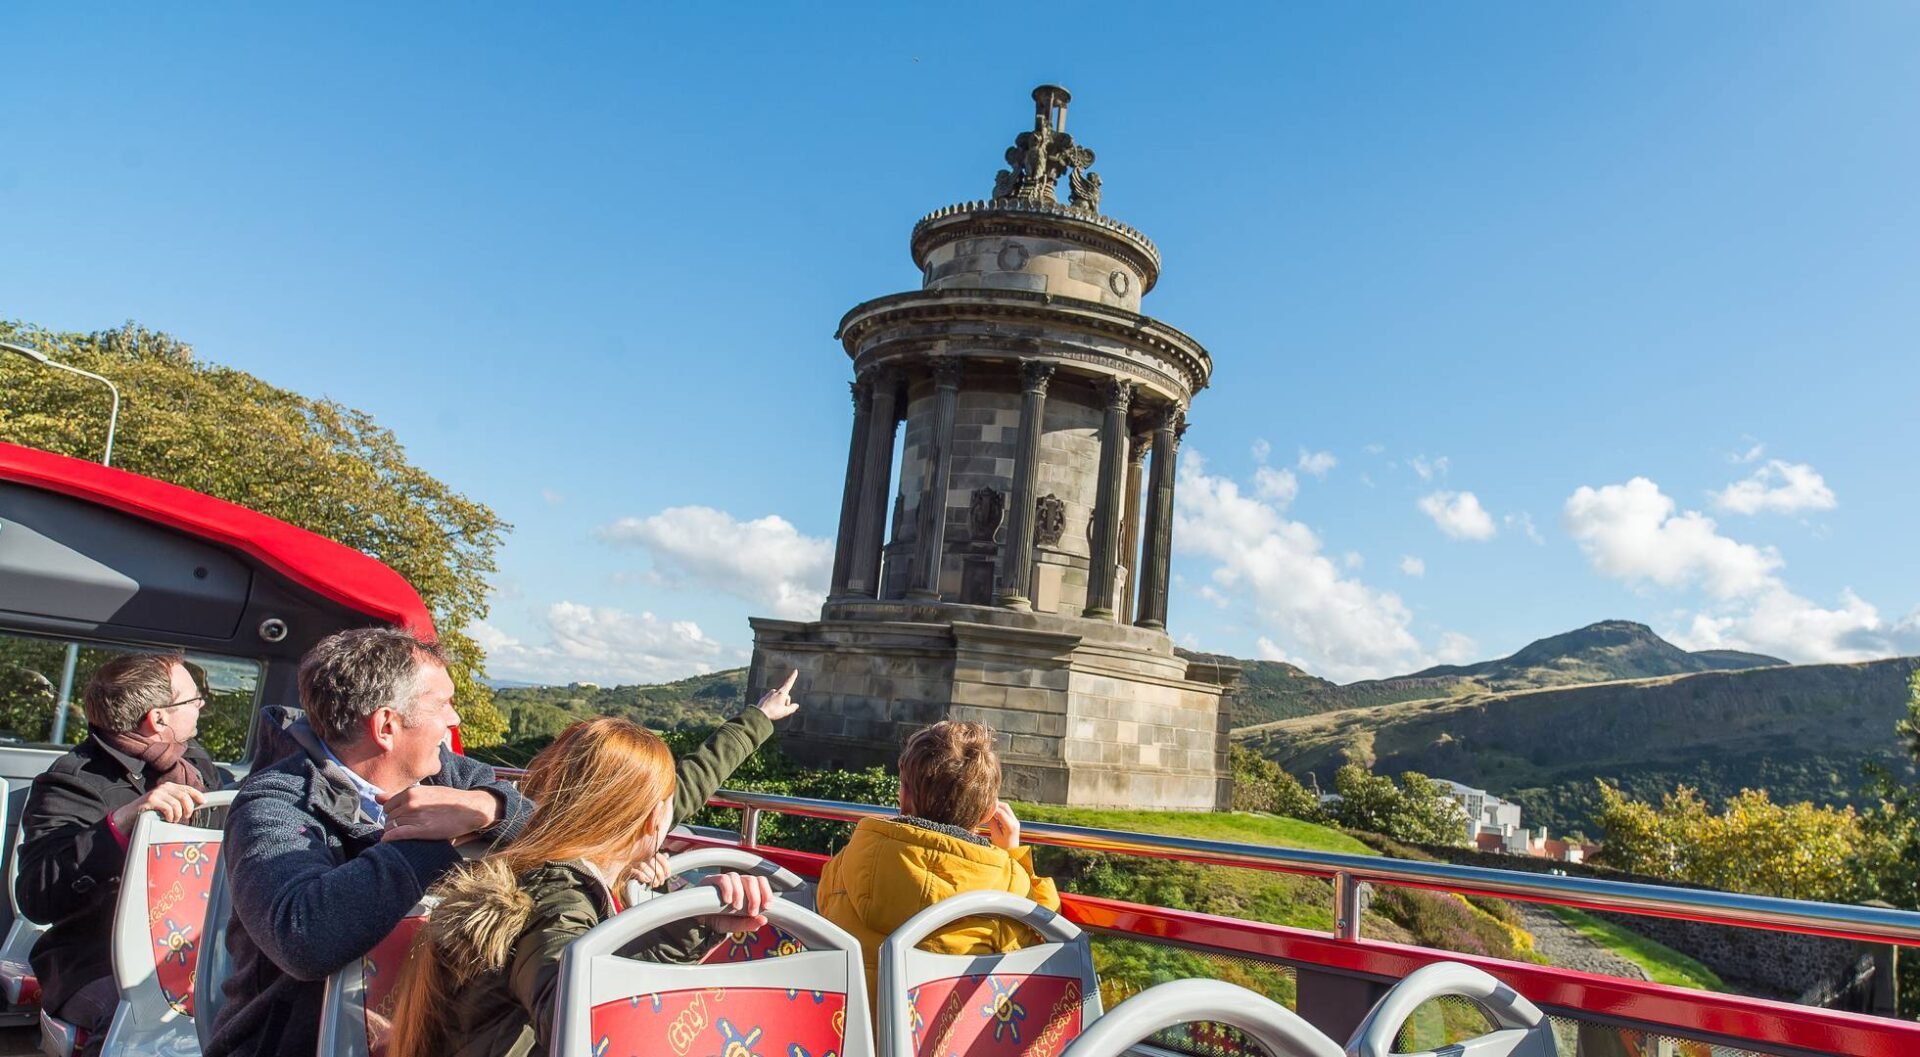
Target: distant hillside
[1801,732]
[1608,650]
[543,711]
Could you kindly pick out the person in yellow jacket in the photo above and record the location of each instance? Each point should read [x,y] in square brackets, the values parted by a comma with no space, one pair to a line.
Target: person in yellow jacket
[894,868]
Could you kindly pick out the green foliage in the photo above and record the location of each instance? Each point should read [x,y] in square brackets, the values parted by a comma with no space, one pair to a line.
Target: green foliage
[1794,851]
[314,463]
[1417,810]
[542,712]
[1260,785]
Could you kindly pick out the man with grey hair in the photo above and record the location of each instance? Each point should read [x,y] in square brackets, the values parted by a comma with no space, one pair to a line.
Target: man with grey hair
[327,849]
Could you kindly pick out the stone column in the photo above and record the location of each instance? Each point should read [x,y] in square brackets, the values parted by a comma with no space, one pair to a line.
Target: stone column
[863,579]
[850,493]
[1016,553]
[932,544]
[1157,549]
[1130,530]
[1109,503]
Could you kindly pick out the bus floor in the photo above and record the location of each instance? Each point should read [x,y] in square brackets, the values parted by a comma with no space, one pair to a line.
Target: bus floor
[19,1042]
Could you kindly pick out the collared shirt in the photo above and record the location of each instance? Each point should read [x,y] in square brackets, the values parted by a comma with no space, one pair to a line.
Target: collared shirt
[369,793]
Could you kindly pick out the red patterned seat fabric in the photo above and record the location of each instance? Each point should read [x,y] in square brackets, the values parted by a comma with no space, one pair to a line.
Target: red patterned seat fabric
[765,942]
[995,1015]
[714,1022]
[379,973]
[178,881]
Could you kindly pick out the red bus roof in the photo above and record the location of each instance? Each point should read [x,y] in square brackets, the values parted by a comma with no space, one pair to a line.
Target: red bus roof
[332,570]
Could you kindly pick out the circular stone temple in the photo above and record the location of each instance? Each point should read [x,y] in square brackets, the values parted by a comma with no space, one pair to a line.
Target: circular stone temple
[1017,573]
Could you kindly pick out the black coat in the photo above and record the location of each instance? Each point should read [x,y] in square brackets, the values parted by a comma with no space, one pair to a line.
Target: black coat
[70,863]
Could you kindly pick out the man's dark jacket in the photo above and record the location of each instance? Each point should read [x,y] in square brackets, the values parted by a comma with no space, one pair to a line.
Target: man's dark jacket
[314,888]
[70,863]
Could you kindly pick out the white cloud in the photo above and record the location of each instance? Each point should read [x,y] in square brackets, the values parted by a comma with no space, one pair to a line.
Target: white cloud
[1524,522]
[1317,463]
[1412,566]
[1261,449]
[1459,515]
[1428,469]
[601,645]
[1313,614]
[1456,648]
[1631,532]
[1280,486]
[551,497]
[766,560]
[1375,449]
[1353,559]
[1749,455]
[1779,488]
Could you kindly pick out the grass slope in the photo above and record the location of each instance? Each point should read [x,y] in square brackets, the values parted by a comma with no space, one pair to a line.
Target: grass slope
[1663,964]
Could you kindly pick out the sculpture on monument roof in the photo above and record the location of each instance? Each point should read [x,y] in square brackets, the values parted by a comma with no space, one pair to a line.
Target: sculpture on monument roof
[1038,159]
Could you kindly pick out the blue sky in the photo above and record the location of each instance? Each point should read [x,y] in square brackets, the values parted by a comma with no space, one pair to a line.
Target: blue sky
[1641,277]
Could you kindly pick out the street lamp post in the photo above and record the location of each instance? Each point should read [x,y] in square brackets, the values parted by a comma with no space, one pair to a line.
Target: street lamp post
[41,358]
[59,733]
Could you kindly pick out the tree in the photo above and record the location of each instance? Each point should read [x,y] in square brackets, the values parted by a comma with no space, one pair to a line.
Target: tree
[1259,784]
[313,463]
[1418,810]
[1794,851]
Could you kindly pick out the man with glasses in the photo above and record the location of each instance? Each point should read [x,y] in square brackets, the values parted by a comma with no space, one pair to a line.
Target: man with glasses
[142,713]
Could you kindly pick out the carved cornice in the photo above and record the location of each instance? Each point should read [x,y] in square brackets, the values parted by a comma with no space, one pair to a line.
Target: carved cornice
[884,321]
[1012,216]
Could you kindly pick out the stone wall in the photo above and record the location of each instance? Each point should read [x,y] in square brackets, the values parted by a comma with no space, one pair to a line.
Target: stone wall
[986,428]
[1114,720]
[1811,970]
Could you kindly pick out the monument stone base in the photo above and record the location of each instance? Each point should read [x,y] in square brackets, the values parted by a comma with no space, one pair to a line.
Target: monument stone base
[1088,713]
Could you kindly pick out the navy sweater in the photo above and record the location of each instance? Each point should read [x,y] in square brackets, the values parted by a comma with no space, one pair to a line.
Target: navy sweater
[314,888]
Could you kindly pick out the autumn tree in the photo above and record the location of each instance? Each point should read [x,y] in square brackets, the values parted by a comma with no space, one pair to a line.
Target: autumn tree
[314,463]
[1794,851]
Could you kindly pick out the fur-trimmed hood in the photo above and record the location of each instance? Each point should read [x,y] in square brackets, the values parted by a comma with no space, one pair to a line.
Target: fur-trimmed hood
[481,910]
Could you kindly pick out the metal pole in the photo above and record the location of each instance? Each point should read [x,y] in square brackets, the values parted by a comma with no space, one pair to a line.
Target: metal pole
[59,734]
[1346,907]
[750,827]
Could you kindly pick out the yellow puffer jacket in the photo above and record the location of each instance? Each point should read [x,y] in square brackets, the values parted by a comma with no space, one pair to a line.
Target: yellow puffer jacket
[891,871]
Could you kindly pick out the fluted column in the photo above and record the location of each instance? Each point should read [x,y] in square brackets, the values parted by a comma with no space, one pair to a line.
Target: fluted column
[1157,549]
[1130,530]
[1109,502]
[931,546]
[863,581]
[850,493]
[1016,554]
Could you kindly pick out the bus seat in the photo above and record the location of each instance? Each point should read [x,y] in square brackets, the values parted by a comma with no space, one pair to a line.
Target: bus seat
[1520,1029]
[216,964]
[765,942]
[1029,1002]
[356,1011]
[156,933]
[809,1004]
[1277,1029]
[17,980]
[59,1038]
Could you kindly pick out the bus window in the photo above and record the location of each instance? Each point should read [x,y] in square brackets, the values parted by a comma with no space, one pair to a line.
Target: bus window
[32,671]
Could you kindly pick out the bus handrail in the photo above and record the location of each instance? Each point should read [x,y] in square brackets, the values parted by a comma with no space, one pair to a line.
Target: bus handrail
[1348,871]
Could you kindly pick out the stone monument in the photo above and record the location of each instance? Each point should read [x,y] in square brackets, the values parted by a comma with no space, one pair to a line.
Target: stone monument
[1023,583]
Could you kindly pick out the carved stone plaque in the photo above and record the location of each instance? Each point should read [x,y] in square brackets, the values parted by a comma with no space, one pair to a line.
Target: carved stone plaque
[1013,257]
[984,513]
[1049,520]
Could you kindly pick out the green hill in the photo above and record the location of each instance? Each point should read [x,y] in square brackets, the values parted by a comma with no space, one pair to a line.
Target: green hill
[535,712]
[1801,732]
[1602,652]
